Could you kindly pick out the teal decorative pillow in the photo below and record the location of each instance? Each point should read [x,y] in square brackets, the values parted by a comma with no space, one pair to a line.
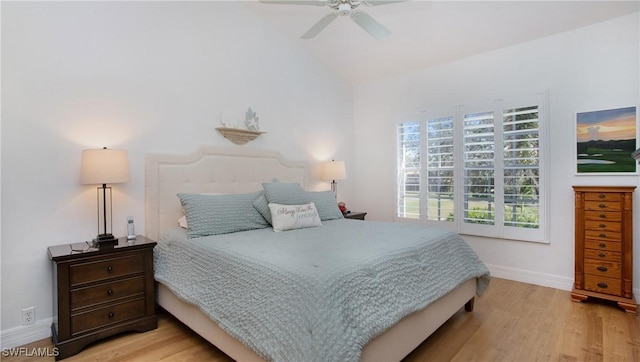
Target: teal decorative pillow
[262,205]
[221,214]
[285,193]
[326,204]
[289,217]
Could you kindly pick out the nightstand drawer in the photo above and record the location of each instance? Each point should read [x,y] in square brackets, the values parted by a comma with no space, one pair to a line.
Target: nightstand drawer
[81,273]
[84,322]
[106,293]
[603,285]
[603,268]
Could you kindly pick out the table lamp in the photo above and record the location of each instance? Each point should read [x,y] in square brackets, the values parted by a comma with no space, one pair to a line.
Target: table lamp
[104,166]
[334,170]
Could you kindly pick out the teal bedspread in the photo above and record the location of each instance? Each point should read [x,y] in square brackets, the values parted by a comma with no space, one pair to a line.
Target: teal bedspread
[316,294]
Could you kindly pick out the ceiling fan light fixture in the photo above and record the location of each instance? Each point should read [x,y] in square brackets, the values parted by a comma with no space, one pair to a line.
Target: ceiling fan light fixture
[344,9]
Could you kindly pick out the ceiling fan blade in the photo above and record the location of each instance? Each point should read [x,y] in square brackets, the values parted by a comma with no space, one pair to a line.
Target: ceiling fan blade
[296,2]
[370,25]
[319,26]
[381,2]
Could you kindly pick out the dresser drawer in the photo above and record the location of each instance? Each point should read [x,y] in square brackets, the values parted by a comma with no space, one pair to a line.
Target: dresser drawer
[604,225]
[603,284]
[83,322]
[107,292]
[602,255]
[603,196]
[603,235]
[603,215]
[602,206]
[603,268]
[603,245]
[81,273]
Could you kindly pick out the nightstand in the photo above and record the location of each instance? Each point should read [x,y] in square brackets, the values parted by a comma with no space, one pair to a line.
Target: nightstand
[356,215]
[101,292]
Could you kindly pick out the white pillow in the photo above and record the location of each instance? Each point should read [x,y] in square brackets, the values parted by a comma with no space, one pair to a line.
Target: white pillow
[288,217]
[183,222]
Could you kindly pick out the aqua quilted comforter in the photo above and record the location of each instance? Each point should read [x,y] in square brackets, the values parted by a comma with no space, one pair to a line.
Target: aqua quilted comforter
[316,294]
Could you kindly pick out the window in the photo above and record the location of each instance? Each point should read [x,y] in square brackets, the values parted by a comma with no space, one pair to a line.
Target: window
[477,168]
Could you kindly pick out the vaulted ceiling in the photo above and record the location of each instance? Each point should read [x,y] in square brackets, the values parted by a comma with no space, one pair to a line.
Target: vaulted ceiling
[426,33]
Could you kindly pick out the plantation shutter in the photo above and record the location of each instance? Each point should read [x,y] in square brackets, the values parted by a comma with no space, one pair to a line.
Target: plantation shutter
[409,179]
[440,169]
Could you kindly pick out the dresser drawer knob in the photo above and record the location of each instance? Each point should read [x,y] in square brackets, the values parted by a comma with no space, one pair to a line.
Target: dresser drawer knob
[602,268]
[603,235]
[602,225]
[111,315]
[602,245]
[603,285]
[602,196]
[602,255]
[109,292]
[603,216]
[602,206]
[109,269]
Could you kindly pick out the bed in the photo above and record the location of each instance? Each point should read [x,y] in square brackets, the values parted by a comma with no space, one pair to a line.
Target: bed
[233,171]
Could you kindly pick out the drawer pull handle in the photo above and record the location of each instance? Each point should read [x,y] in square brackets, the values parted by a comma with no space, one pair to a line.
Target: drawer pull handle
[109,269]
[602,225]
[603,216]
[603,235]
[602,255]
[603,285]
[602,196]
[602,245]
[109,292]
[111,315]
[602,268]
[602,206]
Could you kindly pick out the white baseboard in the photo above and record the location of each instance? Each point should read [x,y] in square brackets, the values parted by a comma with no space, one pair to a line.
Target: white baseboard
[19,336]
[526,276]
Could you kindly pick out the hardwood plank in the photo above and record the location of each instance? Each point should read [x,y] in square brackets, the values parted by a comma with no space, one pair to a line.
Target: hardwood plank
[511,322]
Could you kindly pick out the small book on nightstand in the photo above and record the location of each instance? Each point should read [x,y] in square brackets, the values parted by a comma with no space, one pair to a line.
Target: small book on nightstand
[356,215]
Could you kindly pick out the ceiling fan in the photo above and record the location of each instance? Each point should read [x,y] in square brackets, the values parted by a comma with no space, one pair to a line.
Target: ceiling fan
[342,8]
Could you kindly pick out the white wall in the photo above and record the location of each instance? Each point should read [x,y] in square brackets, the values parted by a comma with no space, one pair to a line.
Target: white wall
[591,68]
[146,77]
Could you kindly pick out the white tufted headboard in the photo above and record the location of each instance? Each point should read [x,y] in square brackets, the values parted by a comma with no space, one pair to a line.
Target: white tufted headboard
[209,170]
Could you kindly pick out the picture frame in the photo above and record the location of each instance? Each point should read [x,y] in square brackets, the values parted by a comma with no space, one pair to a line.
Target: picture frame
[605,141]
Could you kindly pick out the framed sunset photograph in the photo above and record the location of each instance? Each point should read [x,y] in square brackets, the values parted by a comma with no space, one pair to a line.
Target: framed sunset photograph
[605,141]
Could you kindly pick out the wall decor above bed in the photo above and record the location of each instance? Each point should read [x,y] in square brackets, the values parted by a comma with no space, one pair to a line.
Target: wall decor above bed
[236,135]
[239,136]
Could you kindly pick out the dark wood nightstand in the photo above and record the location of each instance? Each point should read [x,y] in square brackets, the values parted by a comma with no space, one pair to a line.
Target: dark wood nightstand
[101,292]
[356,215]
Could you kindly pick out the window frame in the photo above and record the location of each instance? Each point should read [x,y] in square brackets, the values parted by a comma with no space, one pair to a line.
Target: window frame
[499,108]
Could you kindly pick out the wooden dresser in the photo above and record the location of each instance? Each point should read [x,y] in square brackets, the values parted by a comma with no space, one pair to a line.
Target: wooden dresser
[101,292]
[604,245]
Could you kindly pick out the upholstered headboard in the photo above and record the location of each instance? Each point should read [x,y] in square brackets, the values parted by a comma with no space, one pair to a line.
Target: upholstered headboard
[209,170]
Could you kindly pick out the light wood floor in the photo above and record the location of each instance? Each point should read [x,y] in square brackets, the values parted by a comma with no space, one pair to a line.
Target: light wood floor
[511,322]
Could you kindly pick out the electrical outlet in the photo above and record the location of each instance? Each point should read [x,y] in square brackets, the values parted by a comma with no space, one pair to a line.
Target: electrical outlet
[29,316]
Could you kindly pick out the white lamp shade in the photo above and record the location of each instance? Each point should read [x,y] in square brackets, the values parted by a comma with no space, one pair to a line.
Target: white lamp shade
[104,166]
[334,170]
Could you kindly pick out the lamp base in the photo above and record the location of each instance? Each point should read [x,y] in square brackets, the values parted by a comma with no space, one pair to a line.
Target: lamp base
[105,240]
